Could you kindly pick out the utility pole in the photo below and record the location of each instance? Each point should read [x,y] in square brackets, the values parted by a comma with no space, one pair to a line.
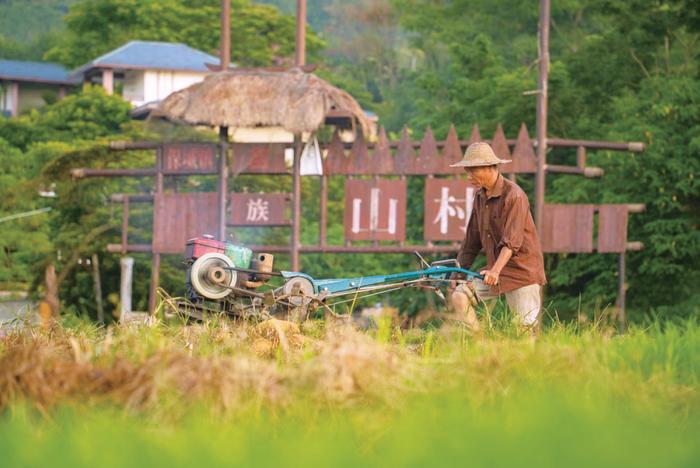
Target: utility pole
[223,130]
[300,60]
[225,47]
[542,112]
[301,34]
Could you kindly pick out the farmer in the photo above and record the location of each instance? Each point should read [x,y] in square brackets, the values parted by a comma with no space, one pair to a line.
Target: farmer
[501,225]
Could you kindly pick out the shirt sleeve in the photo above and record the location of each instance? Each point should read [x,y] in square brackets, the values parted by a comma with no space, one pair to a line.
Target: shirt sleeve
[471,246]
[515,213]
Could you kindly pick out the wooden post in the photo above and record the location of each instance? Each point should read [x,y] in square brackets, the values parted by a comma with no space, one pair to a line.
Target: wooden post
[155,283]
[296,202]
[323,218]
[542,113]
[125,224]
[108,80]
[301,34]
[52,290]
[98,288]
[223,180]
[581,157]
[125,286]
[622,290]
[348,243]
[225,47]
[155,261]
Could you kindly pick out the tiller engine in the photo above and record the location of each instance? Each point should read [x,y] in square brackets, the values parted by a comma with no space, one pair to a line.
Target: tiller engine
[224,277]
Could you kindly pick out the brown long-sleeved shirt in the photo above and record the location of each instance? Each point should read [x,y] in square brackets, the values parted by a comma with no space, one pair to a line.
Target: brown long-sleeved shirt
[503,219]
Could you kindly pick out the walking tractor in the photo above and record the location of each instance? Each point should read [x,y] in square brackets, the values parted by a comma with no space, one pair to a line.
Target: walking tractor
[223,277]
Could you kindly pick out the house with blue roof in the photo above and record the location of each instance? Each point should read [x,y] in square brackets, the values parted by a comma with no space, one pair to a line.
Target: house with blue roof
[27,85]
[147,71]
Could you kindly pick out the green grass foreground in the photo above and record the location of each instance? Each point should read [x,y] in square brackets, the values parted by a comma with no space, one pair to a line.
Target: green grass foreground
[327,395]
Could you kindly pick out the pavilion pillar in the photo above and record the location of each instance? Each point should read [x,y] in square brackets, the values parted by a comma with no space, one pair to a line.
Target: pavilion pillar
[108,80]
[300,52]
[542,83]
[223,181]
[296,204]
[14,99]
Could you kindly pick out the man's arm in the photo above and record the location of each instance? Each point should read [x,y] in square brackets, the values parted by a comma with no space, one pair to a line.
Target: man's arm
[515,212]
[491,275]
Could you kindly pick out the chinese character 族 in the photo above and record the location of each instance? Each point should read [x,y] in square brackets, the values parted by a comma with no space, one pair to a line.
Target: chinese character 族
[258,210]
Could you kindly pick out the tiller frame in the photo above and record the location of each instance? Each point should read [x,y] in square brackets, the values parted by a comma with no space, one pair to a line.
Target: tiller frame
[217,285]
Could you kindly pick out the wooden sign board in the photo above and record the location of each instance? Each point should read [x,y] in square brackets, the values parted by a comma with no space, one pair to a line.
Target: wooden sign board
[189,158]
[258,158]
[259,209]
[612,228]
[448,206]
[375,210]
[567,229]
[181,216]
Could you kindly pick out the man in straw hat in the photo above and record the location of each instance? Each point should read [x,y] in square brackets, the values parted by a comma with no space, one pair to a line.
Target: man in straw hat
[501,225]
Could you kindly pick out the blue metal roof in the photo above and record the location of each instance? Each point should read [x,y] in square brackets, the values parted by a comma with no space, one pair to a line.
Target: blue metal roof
[40,72]
[153,55]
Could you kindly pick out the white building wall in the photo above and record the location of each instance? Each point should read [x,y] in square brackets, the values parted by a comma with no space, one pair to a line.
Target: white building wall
[150,86]
[165,83]
[6,104]
[133,90]
[262,135]
[183,80]
[4,99]
[29,96]
[158,84]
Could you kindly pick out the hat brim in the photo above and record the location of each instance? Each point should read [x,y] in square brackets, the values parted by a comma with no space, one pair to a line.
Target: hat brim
[464,163]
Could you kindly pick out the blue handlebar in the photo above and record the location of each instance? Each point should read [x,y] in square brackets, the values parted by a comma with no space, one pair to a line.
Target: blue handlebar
[336,285]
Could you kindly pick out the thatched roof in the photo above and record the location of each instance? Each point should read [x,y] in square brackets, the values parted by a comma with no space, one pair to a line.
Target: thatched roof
[294,100]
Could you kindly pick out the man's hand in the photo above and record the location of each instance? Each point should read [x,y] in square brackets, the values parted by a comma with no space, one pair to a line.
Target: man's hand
[490,276]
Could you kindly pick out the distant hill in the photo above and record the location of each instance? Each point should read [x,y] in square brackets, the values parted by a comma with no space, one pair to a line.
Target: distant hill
[24,20]
[317,11]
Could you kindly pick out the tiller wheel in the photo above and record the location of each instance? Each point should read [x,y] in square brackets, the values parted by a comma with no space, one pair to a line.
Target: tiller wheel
[212,276]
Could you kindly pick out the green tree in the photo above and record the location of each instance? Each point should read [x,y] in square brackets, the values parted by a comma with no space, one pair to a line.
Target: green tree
[620,70]
[260,34]
[30,148]
[23,241]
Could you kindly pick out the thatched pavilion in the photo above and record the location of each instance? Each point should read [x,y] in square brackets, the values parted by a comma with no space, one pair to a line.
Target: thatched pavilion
[296,101]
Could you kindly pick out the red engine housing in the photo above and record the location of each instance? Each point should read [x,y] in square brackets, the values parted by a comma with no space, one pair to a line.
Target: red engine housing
[195,248]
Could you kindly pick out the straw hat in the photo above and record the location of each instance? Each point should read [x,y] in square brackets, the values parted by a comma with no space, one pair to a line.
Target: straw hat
[480,154]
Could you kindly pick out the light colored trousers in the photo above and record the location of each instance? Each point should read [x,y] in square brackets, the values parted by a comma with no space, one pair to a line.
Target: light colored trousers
[524,302]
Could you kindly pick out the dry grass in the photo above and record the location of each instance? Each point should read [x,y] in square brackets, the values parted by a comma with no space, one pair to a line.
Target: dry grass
[166,369]
[325,394]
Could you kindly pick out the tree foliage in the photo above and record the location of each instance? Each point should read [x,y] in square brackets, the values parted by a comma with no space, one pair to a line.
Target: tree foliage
[260,35]
[30,147]
[620,70]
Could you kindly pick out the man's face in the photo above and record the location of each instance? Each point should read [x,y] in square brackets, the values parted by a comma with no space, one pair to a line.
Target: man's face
[478,176]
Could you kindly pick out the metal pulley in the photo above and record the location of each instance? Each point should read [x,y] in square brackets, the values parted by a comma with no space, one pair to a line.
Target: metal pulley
[212,275]
[299,290]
